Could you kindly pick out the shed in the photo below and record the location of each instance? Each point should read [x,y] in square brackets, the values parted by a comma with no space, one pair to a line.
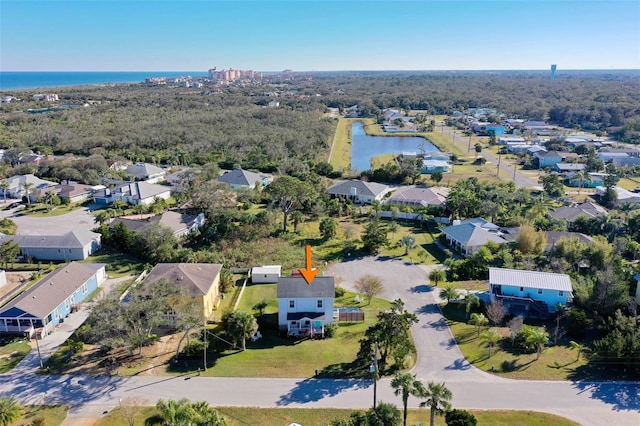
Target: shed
[266,274]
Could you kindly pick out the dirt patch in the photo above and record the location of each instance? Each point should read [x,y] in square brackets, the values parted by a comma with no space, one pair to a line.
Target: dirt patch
[14,280]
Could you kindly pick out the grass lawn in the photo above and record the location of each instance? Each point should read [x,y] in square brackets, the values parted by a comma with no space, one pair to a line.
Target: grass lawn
[53,415]
[240,416]
[12,353]
[118,264]
[556,363]
[44,210]
[271,356]
[470,285]
[341,152]
[629,183]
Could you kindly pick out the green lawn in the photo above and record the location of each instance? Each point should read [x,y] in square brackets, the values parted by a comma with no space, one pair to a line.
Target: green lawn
[273,355]
[44,210]
[118,264]
[241,416]
[341,153]
[53,415]
[12,353]
[556,363]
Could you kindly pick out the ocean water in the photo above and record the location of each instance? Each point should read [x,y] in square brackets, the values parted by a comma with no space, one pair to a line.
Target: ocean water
[13,80]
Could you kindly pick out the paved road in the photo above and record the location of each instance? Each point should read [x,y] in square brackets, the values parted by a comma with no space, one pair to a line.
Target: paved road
[521,180]
[53,225]
[587,403]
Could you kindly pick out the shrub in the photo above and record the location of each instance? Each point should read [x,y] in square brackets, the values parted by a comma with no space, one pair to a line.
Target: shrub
[458,417]
[578,323]
[339,291]
[330,330]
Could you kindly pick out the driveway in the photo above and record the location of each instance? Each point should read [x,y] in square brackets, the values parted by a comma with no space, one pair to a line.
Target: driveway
[52,225]
[438,355]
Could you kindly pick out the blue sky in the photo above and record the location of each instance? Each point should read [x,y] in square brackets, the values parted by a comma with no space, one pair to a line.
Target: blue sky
[146,35]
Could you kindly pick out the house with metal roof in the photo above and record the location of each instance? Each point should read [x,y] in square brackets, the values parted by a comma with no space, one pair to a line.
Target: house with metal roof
[530,293]
[37,311]
[416,196]
[359,191]
[239,178]
[199,280]
[266,274]
[304,309]
[432,166]
[75,245]
[568,167]
[468,236]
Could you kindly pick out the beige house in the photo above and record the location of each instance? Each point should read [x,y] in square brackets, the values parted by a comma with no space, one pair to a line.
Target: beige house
[200,280]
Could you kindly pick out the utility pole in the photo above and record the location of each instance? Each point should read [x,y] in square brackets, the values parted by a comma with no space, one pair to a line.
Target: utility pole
[469,147]
[373,368]
[204,333]
[515,163]
[499,158]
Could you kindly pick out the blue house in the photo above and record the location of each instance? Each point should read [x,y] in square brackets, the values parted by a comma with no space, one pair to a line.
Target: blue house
[529,293]
[37,311]
[486,128]
[548,159]
[592,180]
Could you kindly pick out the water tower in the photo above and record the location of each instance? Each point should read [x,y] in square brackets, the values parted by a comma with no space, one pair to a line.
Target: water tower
[553,72]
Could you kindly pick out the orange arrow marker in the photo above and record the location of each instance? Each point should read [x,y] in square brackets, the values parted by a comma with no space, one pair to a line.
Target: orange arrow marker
[309,273]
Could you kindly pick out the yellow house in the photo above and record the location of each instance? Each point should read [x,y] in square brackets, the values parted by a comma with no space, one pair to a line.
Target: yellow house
[200,280]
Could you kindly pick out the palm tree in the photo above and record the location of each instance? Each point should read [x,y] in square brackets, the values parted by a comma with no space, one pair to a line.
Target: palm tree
[538,338]
[471,301]
[578,347]
[479,320]
[406,384]
[4,185]
[491,336]
[176,413]
[242,325]
[10,410]
[438,399]
[437,276]
[408,242]
[449,292]
[27,190]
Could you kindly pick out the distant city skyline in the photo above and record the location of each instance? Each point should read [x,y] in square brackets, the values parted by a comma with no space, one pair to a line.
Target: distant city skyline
[320,35]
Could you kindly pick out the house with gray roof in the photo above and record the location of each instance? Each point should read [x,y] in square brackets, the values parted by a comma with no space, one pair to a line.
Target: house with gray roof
[133,193]
[239,178]
[304,309]
[146,172]
[530,293]
[568,167]
[180,224]
[201,281]
[416,196]
[17,185]
[38,311]
[468,236]
[359,191]
[75,245]
[554,236]
[571,213]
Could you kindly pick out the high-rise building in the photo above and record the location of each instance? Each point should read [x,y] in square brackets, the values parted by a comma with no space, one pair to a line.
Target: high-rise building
[553,72]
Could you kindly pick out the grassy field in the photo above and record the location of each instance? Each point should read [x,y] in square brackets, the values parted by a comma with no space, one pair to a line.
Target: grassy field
[12,353]
[45,210]
[52,415]
[341,152]
[272,355]
[118,264]
[556,363]
[241,416]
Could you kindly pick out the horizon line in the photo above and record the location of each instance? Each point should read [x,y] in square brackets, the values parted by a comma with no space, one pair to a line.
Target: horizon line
[288,70]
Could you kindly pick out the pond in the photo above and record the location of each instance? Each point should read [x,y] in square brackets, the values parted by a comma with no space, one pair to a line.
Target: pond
[364,147]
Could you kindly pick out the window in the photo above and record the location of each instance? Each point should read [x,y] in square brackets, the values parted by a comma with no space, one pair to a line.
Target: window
[561,293]
[319,303]
[539,291]
[85,288]
[66,303]
[292,303]
[55,314]
[521,289]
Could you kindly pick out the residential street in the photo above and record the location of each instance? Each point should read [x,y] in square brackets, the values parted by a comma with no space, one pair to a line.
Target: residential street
[521,180]
[80,218]
[439,359]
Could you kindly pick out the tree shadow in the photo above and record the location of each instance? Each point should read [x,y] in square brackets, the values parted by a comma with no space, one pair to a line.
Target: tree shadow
[622,396]
[310,390]
[423,288]
[459,365]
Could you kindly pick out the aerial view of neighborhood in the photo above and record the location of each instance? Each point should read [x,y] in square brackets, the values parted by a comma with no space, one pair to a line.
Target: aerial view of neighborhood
[319,213]
[372,248]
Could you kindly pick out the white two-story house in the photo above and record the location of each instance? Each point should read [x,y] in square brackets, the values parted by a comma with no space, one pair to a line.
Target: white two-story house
[304,309]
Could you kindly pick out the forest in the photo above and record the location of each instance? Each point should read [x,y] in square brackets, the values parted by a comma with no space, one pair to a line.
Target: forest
[232,125]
